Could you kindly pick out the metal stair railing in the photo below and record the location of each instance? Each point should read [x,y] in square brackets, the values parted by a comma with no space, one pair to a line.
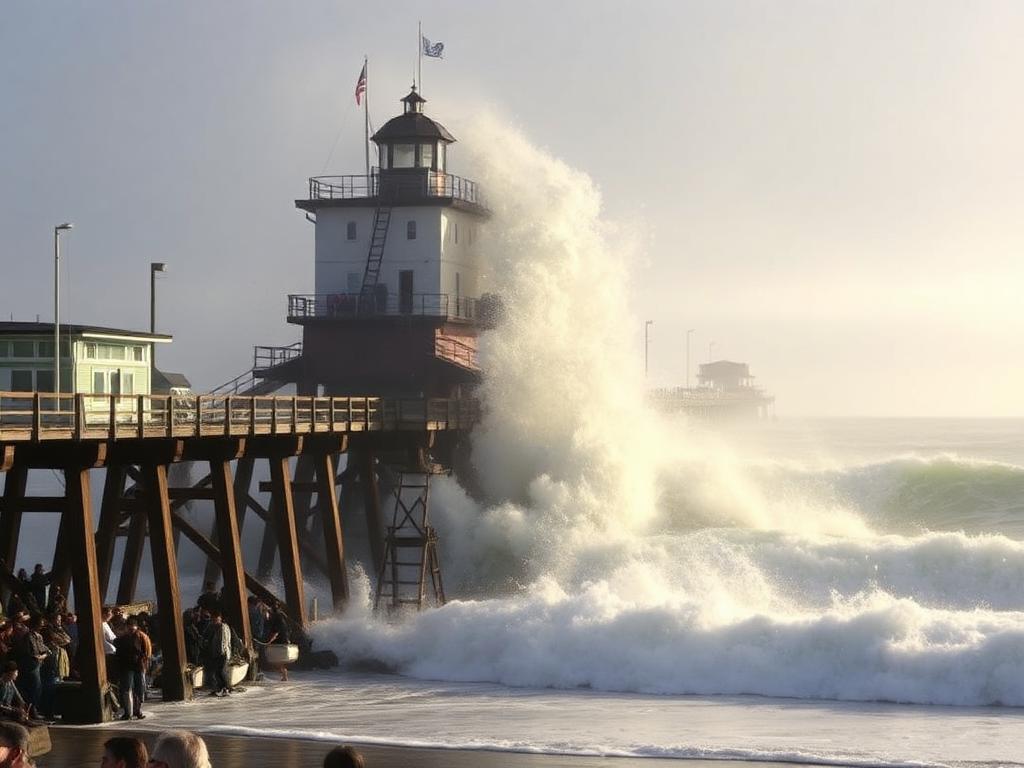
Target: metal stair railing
[378,239]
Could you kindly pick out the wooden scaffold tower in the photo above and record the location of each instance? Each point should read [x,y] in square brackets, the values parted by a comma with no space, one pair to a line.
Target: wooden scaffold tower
[411,566]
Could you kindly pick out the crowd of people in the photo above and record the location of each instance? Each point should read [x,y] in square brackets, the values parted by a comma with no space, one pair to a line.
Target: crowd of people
[39,642]
[172,749]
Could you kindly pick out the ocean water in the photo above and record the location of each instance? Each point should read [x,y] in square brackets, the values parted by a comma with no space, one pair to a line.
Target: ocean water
[625,583]
[897,642]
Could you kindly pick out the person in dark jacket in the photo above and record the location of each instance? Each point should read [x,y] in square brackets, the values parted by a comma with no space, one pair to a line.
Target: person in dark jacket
[132,659]
[40,578]
[216,652]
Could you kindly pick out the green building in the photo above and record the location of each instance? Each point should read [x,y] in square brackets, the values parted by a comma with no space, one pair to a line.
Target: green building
[94,360]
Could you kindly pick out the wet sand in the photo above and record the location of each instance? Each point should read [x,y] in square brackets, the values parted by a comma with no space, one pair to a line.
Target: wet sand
[81,747]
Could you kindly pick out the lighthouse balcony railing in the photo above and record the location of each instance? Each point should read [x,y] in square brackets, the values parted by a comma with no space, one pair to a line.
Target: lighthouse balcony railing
[381,304]
[396,185]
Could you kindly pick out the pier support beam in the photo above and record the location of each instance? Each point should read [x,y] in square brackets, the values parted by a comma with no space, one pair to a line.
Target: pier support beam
[110,520]
[10,518]
[132,561]
[176,686]
[288,540]
[334,542]
[92,663]
[371,504]
[236,610]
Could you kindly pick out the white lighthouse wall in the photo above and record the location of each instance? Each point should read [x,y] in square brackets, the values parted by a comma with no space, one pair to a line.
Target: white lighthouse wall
[338,259]
[460,247]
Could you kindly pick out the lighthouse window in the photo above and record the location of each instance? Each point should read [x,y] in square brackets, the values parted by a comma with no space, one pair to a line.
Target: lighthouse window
[426,155]
[351,230]
[404,156]
[440,155]
[410,230]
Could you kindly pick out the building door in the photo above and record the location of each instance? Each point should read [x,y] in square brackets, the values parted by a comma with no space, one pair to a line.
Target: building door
[405,300]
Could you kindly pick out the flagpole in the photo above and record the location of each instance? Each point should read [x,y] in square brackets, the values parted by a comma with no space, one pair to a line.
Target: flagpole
[366,118]
[419,56]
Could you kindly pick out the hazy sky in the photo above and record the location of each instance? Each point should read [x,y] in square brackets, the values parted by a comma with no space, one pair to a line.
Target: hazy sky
[830,191]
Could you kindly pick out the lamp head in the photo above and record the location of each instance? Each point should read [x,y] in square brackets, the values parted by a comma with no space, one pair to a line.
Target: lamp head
[65,225]
[158,266]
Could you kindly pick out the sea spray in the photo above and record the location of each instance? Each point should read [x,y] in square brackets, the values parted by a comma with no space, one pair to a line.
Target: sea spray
[621,551]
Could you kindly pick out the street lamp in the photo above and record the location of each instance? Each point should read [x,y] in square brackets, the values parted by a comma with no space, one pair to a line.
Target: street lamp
[154,267]
[689,332]
[56,303]
[647,341]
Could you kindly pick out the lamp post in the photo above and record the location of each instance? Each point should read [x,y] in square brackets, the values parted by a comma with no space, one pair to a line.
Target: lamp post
[154,267]
[56,303]
[647,341]
[689,332]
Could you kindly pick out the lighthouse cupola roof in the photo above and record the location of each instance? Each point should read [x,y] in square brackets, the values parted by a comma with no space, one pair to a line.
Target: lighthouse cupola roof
[412,125]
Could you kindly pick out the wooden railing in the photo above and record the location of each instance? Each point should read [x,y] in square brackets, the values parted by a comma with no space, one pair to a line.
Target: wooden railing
[36,416]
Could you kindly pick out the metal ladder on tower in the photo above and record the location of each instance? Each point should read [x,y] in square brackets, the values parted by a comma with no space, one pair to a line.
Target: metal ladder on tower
[410,547]
[378,239]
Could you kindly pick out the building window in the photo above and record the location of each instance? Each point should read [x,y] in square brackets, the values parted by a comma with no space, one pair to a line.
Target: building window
[99,382]
[45,349]
[353,282]
[127,383]
[426,155]
[21,381]
[5,349]
[44,381]
[410,230]
[65,348]
[350,230]
[403,156]
[90,351]
[138,355]
[24,349]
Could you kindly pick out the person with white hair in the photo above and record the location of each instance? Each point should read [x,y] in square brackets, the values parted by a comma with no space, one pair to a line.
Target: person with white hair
[179,749]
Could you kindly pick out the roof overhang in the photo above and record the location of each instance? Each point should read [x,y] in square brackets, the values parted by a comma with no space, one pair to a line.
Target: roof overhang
[153,338]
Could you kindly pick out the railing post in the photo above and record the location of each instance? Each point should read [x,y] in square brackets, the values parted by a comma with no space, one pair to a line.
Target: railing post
[79,410]
[252,415]
[273,415]
[199,415]
[169,413]
[140,415]
[295,414]
[227,415]
[112,426]
[37,417]
[330,414]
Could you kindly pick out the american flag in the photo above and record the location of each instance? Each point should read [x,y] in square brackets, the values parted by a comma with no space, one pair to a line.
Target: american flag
[361,86]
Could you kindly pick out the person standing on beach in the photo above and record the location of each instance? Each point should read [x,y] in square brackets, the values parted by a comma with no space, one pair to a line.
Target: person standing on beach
[277,633]
[217,651]
[132,661]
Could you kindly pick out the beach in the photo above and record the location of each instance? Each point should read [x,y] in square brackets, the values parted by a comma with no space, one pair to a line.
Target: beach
[79,747]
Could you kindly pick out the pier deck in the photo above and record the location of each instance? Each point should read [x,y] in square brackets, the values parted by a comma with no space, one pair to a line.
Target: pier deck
[140,437]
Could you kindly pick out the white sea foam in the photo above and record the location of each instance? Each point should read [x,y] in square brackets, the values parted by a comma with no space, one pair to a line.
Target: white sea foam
[620,551]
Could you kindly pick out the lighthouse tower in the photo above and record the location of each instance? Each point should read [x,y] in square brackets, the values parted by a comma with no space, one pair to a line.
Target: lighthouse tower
[397,304]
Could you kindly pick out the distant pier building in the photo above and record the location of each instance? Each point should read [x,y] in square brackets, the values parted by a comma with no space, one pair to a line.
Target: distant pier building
[725,391]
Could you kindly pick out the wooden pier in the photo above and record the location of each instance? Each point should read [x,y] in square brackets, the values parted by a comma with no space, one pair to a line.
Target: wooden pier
[138,437]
